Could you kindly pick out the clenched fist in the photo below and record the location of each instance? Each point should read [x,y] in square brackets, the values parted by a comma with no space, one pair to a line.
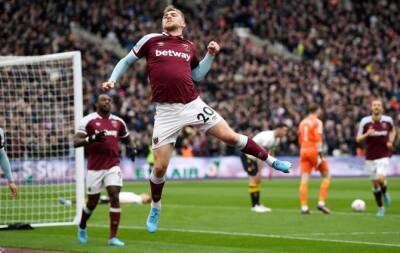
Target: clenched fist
[213,48]
[107,85]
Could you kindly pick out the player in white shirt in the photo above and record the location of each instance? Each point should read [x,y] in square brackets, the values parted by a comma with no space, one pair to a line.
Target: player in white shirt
[270,140]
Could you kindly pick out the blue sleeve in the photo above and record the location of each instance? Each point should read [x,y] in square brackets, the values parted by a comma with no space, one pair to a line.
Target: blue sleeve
[202,69]
[122,66]
[5,164]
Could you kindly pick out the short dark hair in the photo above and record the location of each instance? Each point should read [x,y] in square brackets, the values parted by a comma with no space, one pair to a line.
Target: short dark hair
[313,108]
[96,99]
[281,125]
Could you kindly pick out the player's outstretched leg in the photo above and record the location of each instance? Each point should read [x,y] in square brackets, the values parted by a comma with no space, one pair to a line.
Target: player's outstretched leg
[252,148]
[223,132]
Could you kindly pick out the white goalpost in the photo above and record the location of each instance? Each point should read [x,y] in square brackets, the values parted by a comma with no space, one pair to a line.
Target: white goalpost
[40,109]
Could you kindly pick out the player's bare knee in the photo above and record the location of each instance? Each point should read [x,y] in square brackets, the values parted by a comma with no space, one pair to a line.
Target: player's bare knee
[305,178]
[160,169]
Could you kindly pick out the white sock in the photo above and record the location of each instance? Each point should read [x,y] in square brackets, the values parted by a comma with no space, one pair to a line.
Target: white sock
[87,210]
[321,203]
[156,180]
[270,160]
[156,204]
[242,141]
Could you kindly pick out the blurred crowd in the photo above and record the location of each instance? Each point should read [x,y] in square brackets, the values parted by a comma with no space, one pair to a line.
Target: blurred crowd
[349,53]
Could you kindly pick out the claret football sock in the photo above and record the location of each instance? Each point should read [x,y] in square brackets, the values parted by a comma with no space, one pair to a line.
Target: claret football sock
[156,185]
[255,150]
[115,216]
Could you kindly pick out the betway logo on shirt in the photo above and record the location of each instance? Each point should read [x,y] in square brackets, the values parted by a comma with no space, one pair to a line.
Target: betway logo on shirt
[379,133]
[170,52]
[108,133]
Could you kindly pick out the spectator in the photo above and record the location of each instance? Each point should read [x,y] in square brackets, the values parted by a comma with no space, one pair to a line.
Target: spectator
[349,54]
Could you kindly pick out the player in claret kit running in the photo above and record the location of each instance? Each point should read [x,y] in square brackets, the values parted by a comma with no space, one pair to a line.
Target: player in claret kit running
[173,67]
[379,133]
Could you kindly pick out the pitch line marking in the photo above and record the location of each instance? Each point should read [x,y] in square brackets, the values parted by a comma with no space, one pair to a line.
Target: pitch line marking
[345,233]
[281,210]
[254,235]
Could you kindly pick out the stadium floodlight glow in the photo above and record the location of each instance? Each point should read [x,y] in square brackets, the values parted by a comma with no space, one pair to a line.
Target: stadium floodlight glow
[40,109]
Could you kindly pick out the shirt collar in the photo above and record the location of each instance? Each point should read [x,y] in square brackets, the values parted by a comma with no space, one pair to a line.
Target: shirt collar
[169,35]
[101,117]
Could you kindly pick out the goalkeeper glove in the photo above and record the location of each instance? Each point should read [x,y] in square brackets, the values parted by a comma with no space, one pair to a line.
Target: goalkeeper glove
[97,137]
[131,152]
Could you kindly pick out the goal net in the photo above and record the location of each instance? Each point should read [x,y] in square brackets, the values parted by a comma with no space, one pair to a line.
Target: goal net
[40,107]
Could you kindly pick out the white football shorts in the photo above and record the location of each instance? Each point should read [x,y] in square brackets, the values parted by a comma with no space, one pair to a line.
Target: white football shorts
[96,179]
[171,118]
[377,167]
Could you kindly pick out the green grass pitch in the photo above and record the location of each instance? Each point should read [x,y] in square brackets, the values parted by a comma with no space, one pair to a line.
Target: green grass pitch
[214,216]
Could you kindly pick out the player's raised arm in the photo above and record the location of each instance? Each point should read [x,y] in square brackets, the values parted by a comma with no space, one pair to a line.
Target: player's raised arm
[119,70]
[213,48]
[204,66]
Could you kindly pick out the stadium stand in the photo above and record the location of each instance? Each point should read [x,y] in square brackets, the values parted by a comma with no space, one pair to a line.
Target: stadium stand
[348,53]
